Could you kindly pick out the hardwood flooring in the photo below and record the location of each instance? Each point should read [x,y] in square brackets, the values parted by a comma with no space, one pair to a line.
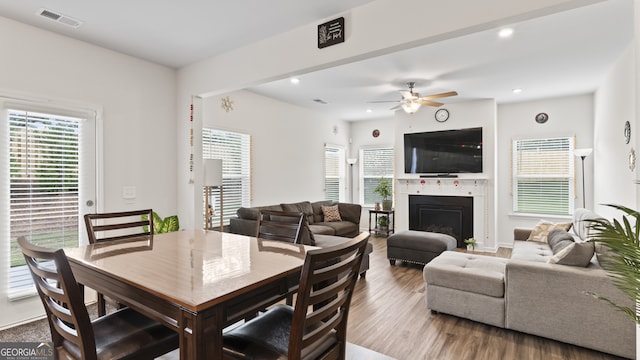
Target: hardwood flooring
[389,315]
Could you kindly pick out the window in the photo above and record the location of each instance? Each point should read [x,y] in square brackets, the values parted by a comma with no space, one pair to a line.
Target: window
[334,173]
[375,163]
[543,176]
[43,181]
[235,151]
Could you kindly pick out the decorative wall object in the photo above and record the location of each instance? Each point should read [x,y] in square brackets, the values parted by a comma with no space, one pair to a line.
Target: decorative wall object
[191,142]
[375,133]
[226,103]
[542,118]
[627,132]
[632,159]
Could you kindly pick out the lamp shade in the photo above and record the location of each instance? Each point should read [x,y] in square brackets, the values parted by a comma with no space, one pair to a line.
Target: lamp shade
[212,172]
[410,107]
[582,152]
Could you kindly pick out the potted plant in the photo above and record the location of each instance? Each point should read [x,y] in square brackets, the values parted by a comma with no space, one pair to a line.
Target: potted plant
[383,222]
[622,255]
[385,191]
[161,226]
[471,244]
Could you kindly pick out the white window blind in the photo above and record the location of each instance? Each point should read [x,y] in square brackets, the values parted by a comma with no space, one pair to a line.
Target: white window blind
[375,163]
[235,151]
[543,176]
[43,180]
[334,173]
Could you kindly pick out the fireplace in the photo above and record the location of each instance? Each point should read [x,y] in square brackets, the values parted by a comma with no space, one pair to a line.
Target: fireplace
[451,215]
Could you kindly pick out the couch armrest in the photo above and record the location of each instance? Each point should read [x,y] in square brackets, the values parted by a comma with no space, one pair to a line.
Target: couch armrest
[350,212]
[521,233]
[550,300]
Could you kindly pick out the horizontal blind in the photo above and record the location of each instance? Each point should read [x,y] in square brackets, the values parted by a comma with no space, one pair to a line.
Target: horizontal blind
[235,151]
[375,163]
[334,174]
[43,178]
[543,176]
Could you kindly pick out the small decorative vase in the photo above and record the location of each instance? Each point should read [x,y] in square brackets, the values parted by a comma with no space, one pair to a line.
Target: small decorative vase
[377,208]
[386,205]
[469,247]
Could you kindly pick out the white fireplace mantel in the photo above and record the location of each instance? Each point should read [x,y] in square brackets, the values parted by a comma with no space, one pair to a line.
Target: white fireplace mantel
[475,187]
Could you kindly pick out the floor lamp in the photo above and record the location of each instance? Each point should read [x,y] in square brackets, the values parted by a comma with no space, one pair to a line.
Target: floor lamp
[582,154]
[351,162]
[212,178]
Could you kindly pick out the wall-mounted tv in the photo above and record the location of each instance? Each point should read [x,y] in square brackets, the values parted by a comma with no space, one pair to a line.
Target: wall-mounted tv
[443,152]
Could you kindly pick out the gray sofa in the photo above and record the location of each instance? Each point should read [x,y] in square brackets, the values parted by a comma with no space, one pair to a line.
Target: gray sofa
[528,293]
[317,231]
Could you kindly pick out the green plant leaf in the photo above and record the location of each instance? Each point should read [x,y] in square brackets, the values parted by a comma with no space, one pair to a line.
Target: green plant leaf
[157,223]
[171,224]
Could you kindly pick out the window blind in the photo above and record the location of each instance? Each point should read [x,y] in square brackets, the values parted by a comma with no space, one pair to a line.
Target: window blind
[334,173]
[235,151]
[43,180]
[375,163]
[543,176]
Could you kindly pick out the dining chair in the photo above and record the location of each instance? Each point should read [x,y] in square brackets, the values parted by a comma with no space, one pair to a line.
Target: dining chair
[280,225]
[316,327]
[113,226]
[124,334]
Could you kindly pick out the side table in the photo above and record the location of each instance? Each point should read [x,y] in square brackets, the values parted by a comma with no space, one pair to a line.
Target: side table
[381,230]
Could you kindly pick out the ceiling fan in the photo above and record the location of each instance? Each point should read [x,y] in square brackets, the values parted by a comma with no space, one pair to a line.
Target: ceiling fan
[411,101]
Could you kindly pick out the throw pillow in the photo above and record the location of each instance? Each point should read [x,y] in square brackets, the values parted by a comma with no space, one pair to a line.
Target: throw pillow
[331,213]
[576,254]
[542,229]
[559,239]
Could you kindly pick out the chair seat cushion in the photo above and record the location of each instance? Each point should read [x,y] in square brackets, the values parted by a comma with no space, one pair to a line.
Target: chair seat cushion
[267,336]
[125,332]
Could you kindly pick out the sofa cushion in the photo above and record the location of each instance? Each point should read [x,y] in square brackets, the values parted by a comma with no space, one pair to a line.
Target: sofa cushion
[303,207]
[317,210]
[559,239]
[331,213]
[321,229]
[542,229]
[581,223]
[252,213]
[531,251]
[576,254]
[342,228]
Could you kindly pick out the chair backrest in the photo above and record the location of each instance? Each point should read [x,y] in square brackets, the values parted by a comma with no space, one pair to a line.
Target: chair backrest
[326,286]
[280,225]
[118,225]
[61,297]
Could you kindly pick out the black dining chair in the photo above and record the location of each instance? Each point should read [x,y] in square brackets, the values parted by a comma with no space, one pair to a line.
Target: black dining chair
[124,334]
[280,225]
[316,328]
[102,227]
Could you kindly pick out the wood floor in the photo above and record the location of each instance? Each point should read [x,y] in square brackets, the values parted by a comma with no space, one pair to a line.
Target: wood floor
[389,315]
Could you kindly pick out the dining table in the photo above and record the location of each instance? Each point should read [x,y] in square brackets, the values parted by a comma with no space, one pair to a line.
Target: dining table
[196,282]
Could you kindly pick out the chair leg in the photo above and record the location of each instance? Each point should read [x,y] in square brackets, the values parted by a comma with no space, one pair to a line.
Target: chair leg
[102,307]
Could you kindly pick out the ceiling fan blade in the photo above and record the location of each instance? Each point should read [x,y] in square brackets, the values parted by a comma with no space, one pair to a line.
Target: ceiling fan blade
[441,95]
[430,103]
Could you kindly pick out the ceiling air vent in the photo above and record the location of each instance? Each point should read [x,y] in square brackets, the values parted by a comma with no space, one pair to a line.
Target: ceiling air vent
[59,18]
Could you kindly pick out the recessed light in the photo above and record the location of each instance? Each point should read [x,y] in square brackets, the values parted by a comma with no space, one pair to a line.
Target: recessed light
[369,110]
[505,33]
[517,90]
[295,80]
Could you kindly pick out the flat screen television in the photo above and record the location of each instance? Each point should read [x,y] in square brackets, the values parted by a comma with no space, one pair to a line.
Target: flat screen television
[443,152]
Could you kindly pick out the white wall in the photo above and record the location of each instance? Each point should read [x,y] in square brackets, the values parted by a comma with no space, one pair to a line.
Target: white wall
[568,116]
[287,144]
[139,120]
[614,104]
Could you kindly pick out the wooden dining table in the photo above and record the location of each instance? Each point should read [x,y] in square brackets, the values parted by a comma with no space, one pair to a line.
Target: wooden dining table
[196,282]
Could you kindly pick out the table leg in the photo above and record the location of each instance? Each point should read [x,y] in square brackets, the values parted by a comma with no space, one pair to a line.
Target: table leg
[201,335]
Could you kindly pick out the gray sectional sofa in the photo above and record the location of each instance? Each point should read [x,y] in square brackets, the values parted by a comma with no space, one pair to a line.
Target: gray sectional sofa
[317,231]
[536,295]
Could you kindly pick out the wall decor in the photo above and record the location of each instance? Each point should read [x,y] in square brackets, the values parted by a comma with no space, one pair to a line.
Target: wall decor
[442,115]
[632,159]
[542,118]
[627,132]
[375,133]
[226,103]
[331,33]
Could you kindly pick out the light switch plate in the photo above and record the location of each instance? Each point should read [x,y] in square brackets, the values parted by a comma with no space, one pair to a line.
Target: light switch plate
[128,192]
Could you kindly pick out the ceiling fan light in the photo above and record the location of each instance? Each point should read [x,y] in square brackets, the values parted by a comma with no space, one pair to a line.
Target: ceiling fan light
[410,107]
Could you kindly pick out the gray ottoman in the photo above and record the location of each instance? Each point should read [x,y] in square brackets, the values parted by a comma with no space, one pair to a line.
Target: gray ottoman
[418,247]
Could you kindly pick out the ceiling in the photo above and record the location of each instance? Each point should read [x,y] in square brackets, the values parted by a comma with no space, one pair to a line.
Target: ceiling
[561,54]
